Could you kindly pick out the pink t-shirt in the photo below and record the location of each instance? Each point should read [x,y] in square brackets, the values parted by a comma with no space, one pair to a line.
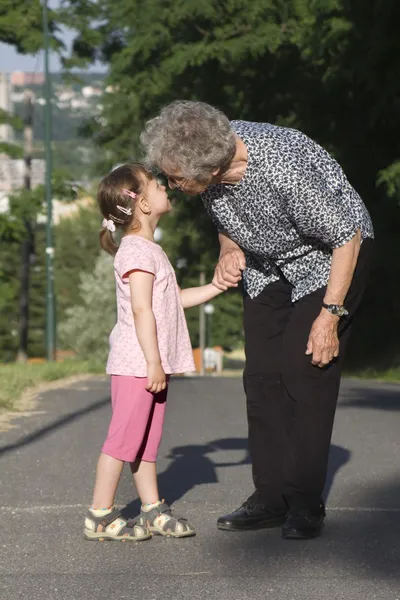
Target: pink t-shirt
[126,356]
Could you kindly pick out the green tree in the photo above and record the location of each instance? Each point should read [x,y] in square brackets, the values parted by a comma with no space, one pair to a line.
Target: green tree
[9,288]
[37,296]
[25,207]
[21,25]
[10,265]
[12,150]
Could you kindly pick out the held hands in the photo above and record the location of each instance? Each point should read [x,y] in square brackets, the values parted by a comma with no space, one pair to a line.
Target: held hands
[323,342]
[156,378]
[228,271]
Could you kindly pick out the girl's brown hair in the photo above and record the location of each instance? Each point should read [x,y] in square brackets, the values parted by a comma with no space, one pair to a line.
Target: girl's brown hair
[110,196]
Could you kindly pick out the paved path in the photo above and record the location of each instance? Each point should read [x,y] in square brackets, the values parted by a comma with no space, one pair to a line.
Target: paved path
[47,469]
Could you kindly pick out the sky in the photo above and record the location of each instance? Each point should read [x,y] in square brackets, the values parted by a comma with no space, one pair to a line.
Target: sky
[10,60]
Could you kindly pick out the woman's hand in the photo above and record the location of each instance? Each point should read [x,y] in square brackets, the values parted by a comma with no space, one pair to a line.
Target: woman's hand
[323,342]
[156,378]
[228,271]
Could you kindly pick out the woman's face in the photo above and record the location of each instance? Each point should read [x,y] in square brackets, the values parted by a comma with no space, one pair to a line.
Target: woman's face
[192,187]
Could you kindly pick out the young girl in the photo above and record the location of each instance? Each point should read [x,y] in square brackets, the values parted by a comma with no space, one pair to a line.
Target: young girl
[149,342]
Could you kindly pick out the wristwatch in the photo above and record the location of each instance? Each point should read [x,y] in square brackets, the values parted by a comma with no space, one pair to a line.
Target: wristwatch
[336,309]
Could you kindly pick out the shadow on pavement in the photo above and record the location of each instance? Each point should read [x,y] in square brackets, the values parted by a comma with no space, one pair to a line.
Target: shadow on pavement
[191,466]
[363,541]
[338,457]
[369,397]
[43,431]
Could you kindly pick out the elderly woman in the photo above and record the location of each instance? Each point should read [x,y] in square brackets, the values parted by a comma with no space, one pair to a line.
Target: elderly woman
[293,228]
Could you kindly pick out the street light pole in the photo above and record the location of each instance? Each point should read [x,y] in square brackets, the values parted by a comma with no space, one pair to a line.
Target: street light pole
[202,327]
[50,308]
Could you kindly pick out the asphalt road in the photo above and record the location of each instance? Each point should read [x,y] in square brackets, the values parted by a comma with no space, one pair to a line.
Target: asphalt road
[47,473]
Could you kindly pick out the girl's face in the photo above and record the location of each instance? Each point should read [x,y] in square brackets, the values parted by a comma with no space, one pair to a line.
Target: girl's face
[157,197]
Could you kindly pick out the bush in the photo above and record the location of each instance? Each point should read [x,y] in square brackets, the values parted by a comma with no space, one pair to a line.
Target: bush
[87,325]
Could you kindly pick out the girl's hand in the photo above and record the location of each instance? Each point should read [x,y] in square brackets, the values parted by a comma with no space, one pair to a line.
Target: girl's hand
[156,378]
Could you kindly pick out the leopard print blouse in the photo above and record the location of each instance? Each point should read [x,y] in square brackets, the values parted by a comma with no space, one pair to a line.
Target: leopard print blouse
[293,206]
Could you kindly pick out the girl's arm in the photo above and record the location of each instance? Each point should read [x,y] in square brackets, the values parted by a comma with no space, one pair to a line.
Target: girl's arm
[141,286]
[198,295]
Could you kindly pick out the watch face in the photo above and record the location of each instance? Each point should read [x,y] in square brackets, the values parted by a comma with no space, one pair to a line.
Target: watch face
[337,310]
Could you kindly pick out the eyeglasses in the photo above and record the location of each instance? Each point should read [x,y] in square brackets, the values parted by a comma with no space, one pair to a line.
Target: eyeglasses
[162,179]
[165,179]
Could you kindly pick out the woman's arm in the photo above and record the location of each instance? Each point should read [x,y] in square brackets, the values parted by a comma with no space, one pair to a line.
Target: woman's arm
[344,261]
[323,342]
[198,295]
[141,286]
[226,244]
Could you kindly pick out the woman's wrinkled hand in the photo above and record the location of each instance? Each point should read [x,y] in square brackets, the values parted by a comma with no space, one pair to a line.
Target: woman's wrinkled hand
[228,271]
[323,342]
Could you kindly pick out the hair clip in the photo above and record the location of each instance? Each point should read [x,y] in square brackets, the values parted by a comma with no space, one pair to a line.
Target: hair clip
[129,193]
[127,211]
[108,224]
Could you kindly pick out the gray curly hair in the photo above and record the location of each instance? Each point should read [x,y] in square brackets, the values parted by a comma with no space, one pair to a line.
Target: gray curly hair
[193,138]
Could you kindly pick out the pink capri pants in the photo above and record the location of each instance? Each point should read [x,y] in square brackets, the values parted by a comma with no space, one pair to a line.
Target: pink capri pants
[137,420]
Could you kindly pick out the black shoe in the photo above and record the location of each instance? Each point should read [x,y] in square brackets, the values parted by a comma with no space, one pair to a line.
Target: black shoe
[251,515]
[303,524]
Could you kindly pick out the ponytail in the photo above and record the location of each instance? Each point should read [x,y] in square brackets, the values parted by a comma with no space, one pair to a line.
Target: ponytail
[116,199]
[107,242]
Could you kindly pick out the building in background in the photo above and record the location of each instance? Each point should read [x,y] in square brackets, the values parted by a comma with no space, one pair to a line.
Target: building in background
[12,173]
[6,132]
[21,79]
[12,170]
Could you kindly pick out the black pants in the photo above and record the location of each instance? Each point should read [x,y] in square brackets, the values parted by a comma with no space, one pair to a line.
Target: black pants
[290,403]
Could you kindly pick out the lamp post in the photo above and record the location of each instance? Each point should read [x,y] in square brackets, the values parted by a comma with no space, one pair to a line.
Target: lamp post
[158,234]
[50,308]
[209,310]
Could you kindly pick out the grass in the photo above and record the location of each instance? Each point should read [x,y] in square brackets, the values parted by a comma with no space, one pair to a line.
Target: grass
[389,375]
[234,368]
[15,378]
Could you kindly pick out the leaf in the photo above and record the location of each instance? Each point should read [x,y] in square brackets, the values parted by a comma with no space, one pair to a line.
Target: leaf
[11,150]
[13,121]
[389,178]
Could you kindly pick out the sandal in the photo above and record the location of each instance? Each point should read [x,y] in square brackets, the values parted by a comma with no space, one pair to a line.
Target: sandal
[114,527]
[160,521]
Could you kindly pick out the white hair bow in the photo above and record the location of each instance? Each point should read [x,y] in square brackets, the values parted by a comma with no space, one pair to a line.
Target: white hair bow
[108,224]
